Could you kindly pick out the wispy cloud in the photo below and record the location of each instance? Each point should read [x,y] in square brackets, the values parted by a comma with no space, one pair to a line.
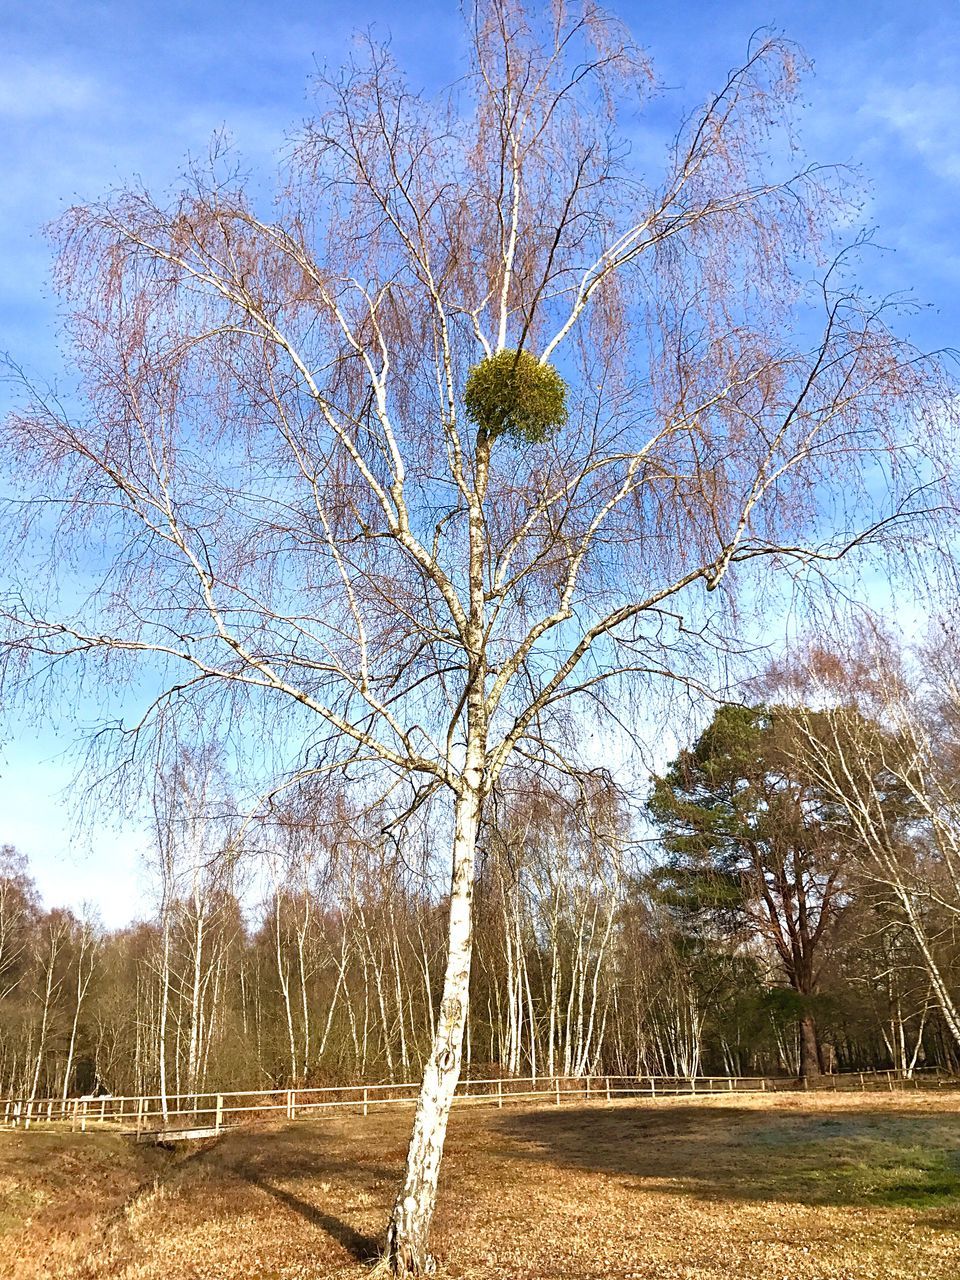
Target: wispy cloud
[923,117]
[43,88]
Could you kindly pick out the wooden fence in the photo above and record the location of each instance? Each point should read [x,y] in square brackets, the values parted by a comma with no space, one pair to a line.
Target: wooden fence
[210,1113]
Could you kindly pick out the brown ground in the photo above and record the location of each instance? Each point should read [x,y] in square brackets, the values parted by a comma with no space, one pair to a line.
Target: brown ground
[791,1187]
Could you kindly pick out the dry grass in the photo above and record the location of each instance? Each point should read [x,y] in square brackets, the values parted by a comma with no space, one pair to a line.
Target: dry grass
[791,1187]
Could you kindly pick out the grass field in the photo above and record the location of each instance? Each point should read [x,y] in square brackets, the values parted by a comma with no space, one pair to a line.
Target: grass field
[788,1187]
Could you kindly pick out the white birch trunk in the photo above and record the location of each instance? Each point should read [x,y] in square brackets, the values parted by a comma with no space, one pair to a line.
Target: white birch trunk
[164,1011]
[86,945]
[284,979]
[413,1211]
[303,929]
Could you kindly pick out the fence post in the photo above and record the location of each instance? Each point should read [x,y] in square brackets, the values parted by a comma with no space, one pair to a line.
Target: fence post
[499,1093]
[365,1102]
[26,1123]
[219,1112]
[607,1078]
[556,1085]
[588,1087]
[83,1117]
[653,1087]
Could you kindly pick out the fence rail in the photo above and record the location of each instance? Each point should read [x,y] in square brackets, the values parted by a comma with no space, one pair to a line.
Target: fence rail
[151,1114]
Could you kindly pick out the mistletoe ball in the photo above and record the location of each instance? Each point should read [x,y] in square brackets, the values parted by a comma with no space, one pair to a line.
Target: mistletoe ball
[512,393]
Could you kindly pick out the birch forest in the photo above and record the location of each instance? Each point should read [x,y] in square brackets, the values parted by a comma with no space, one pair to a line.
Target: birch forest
[604,943]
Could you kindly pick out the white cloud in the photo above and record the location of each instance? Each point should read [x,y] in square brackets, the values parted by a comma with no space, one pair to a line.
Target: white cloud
[924,118]
[40,90]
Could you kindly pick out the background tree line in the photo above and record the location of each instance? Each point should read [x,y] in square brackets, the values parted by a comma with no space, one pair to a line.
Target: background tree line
[784,900]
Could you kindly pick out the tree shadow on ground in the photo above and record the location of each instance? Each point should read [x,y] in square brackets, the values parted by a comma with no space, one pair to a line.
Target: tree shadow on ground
[361,1247]
[894,1158]
[297,1165]
[302,1152]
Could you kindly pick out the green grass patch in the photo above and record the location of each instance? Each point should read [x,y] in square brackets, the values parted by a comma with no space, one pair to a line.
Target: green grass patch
[894,1161]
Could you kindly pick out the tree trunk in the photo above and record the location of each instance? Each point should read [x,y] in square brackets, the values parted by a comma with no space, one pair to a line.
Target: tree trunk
[164,1010]
[809,1049]
[407,1235]
[284,978]
[82,984]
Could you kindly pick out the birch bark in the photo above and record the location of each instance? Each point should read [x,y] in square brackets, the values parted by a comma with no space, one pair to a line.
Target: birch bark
[408,1233]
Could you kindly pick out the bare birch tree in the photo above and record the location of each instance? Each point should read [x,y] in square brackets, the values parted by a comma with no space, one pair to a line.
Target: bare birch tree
[282,508]
[17,903]
[885,749]
[56,931]
[195,864]
[87,943]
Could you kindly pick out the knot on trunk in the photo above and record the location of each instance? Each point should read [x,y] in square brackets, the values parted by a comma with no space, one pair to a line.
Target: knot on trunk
[451,1009]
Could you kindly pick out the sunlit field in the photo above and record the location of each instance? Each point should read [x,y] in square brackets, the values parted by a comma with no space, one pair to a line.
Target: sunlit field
[792,1187]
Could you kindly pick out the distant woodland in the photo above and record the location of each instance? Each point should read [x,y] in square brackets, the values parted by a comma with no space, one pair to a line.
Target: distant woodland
[784,900]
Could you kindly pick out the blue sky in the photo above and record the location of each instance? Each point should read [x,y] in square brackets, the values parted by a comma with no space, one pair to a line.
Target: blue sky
[92,94]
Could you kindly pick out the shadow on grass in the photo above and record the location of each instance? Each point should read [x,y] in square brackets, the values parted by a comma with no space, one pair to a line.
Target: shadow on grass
[362,1248]
[888,1158]
[303,1153]
[307,1157]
